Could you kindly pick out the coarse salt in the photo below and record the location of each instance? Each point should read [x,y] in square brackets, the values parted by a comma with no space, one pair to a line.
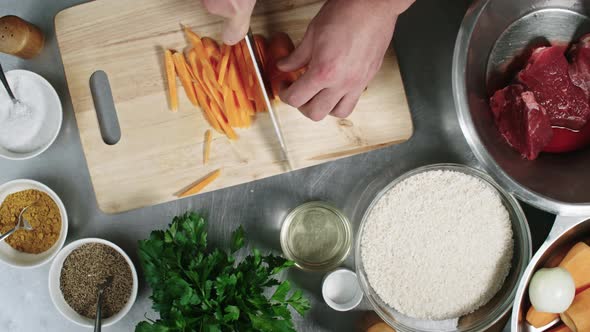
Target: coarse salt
[21,123]
[438,245]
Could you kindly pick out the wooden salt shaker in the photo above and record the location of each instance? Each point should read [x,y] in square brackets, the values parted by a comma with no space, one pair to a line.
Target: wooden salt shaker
[19,37]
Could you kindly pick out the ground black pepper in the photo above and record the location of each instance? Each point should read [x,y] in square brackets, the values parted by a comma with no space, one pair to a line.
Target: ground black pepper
[88,266]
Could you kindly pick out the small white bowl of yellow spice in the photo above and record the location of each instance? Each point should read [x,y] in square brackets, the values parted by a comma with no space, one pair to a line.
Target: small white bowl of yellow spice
[47,216]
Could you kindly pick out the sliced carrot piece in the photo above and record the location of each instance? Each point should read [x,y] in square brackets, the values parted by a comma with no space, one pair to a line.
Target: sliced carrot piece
[280,46]
[260,43]
[222,68]
[212,50]
[229,132]
[229,106]
[241,63]
[171,78]
[202,56]
[196,188]
[207,150]
[185,77]
[250,80]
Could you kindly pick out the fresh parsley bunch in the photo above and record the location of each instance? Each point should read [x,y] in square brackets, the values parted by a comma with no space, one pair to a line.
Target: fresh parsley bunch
[199,289]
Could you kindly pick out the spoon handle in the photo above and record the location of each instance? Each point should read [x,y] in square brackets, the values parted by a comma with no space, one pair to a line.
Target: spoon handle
[98,319]
[7,234]
[5,83]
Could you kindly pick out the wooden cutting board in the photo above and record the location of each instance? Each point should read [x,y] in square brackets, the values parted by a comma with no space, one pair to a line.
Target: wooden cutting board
[160,152]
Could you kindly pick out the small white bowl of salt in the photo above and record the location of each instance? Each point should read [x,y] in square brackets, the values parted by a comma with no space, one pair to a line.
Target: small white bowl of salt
[29,126]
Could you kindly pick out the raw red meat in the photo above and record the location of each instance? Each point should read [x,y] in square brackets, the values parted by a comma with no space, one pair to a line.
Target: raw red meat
[566,140]
[523,123]
[546,75]
[580,64]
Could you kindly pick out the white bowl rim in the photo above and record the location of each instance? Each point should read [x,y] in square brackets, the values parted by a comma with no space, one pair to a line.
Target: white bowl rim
[55,271]
[63,233]
[353,303]
[53,92]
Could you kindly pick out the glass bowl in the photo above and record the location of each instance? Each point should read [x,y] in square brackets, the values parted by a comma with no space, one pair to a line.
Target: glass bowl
[499,305]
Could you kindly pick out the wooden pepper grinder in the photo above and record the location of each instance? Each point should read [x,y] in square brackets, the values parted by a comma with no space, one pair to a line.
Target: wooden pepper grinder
[19,37]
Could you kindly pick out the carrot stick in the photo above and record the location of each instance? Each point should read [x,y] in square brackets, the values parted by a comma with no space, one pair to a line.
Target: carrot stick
[185,78]
[229,132]
[260,43]
[251,75]
[211,92]
[196,188]
[207,150]
[222,68]
[171,78]
[229,105]
[212,49]
[202,56]
[241,63]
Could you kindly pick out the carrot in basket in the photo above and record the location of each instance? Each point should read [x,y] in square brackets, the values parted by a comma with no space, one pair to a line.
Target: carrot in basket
[171,78]
[207,150]
[185,77]
[195,189]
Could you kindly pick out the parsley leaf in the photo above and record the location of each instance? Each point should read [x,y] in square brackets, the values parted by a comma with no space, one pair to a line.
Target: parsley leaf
[197,288]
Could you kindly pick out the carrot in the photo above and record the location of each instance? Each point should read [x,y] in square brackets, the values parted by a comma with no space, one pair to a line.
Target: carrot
[204,81]
[229,105]
[207,150]
[212,50]
[260,43]
[280,46]
[229,132]
[201,184]
[222,68]
[250,80]
[202,56]
[171,78]
[241,63]
[185,77]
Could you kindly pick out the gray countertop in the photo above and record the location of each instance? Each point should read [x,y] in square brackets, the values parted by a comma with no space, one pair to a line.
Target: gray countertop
[424,42]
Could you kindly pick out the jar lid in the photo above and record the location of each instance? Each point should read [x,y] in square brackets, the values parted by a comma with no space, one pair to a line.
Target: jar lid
[316,236]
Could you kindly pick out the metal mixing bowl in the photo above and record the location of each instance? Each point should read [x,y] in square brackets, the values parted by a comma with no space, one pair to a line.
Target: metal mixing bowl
[493,39]
[482,318]
[565,234]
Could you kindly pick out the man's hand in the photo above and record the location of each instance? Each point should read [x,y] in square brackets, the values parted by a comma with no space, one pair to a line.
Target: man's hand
[237,14]
[344,48]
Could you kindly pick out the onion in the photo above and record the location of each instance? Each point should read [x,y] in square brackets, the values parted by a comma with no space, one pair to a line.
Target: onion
[552,290]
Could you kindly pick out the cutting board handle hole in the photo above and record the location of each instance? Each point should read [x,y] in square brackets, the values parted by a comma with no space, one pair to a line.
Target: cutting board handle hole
[105,107]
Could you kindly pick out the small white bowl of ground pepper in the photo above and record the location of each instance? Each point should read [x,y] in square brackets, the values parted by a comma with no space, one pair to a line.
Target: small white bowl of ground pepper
[77,271]
[46,214]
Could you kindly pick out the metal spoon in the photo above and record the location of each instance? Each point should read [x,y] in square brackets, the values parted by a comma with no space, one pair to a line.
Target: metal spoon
[101,288]
[22,223]
[6,86]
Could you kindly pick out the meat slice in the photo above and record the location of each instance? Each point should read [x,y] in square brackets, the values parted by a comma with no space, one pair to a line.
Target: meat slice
[523,122]
[579,69]
[547,76]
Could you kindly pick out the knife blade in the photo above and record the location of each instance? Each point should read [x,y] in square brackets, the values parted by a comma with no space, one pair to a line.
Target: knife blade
[263,87]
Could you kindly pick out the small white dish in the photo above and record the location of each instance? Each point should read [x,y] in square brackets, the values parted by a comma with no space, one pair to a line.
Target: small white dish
[20,259]
[57,297]
[341,290]
[52,121]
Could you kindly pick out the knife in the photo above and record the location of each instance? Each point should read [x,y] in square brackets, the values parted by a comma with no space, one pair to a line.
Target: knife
[261,82]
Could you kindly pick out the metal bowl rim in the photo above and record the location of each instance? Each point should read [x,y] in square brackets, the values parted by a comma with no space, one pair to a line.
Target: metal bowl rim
[469,132]
[527,275]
